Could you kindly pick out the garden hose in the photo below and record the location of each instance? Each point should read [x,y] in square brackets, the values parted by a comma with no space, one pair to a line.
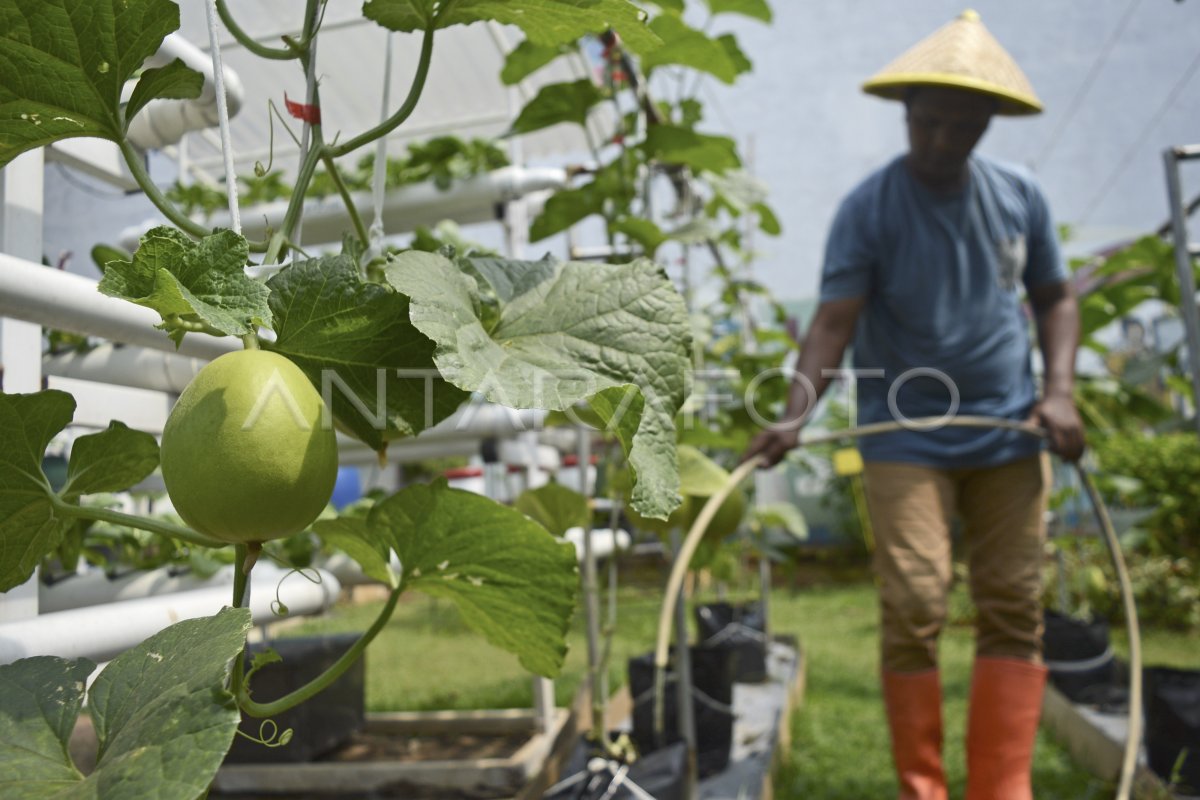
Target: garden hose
[696,532]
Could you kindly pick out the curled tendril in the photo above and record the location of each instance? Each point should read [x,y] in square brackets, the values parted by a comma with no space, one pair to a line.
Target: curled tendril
[269,735]
[278,607]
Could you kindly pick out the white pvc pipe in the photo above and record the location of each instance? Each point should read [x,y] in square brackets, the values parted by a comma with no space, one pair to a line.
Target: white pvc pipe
[164,122]
[468,201]
[57,299]
[458,434]
[405,451]
[135,367]
[103,632]
[97,588]
[605,541]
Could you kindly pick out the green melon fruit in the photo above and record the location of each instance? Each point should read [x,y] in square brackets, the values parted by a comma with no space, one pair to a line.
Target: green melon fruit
[246,453]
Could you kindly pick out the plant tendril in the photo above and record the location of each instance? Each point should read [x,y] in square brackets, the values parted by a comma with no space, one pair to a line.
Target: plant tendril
[269,735]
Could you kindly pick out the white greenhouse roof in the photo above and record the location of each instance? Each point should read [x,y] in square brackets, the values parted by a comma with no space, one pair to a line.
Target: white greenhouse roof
[463,94]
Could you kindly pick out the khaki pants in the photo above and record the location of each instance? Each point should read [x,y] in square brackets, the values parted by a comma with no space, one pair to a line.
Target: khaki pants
[1002,509]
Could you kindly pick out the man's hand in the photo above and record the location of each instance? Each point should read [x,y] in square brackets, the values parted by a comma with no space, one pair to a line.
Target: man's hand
[772,445]
[1057,414]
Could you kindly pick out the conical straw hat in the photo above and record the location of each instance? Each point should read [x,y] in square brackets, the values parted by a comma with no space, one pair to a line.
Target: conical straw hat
[962,55]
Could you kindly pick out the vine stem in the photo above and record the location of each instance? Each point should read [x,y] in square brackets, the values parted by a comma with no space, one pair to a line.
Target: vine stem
[138,170]
[325,679]
[243,561]
[402,113]
[275,248]
[166,529]
[355,218]
[254,46]
[241,575]
[296,204]
[182,221]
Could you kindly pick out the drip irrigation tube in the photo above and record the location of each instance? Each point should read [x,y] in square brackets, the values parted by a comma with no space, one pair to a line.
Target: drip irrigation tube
[696,533]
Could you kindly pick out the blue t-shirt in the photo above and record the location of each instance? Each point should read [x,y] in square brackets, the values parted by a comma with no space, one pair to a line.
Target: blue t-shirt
[941,274]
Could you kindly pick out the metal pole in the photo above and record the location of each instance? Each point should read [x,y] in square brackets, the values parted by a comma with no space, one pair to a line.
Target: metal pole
[683,677]
[1184,271]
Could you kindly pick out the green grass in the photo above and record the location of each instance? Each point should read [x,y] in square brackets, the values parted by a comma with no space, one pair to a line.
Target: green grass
[1161,648]
[427,659]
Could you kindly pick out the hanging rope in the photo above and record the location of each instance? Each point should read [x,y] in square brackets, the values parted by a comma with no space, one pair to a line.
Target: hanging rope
[379,178]
[231,192]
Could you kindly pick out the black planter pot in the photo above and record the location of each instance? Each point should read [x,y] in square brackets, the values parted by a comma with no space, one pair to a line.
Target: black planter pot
[659,774]
[1172,703]
[712,705]
[740,627]
[319,724]
[1080,659]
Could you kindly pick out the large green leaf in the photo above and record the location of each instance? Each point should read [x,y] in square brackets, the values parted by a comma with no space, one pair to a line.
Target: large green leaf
[527,58]
[555,507]
[40,700]
[738,189]
[352,535]
[545,22]
[784,516]
[737,55]
[162,715]
[109,461]
[512,581]
[672,144]
[642,231]
[565,331]
[191,284]
[30,527]
[64,64]
[767,219]
[688,47]
[174,81]
[569,206]
[556,103]
[355,342]
[617,410]
[755,9]
[32,522]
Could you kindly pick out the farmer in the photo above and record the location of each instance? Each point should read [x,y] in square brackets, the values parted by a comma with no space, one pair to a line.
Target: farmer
[924,267]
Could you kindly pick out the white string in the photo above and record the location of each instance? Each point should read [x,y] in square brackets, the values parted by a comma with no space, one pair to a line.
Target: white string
[379,179]
[235,218]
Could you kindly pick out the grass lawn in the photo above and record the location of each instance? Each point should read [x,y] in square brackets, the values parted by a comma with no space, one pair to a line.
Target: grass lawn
[427,659]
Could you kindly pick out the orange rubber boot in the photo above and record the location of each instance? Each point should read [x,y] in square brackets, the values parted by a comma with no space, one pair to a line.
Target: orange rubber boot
[1006,703]
[914,711]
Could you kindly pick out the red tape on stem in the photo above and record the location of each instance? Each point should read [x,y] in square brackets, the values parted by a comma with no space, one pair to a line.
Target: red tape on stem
[302,111]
